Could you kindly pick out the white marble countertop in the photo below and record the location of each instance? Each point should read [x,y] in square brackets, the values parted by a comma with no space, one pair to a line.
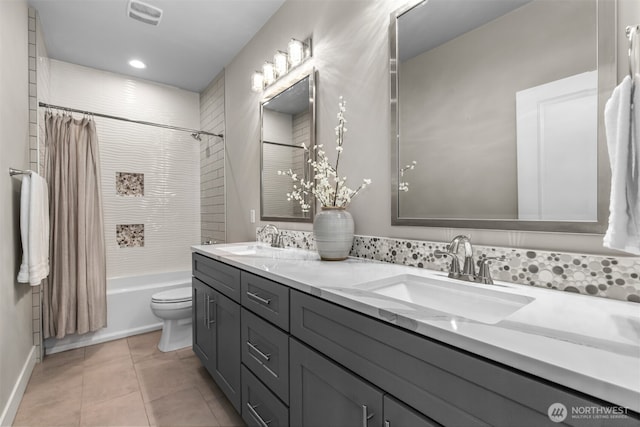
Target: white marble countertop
[585,343]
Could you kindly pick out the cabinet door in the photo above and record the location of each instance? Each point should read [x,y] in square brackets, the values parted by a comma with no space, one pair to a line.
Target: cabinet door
[325,394]
[201,326]
[225,315]
[398,415]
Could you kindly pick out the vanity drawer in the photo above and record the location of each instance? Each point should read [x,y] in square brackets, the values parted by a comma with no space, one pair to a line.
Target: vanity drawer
[265,351]
[220,276]
[260,407]
[266,298]
[450,386]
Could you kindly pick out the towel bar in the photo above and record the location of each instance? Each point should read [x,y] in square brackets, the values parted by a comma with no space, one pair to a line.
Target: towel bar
[13,172]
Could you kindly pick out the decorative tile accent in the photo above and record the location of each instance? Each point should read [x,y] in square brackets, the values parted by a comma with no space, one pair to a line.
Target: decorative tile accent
[602,276]
[130,184]
[291,238]
[130,235]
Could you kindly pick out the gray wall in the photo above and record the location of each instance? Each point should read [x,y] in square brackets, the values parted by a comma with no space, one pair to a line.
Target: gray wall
[15,299]
[351,55]
[458,106]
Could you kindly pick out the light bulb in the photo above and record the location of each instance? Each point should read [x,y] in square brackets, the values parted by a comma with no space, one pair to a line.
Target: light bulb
[281,62]
[136,63]
[296,52]
[257,81]
[269,73]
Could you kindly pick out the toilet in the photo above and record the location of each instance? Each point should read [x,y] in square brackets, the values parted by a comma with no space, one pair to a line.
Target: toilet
[174,308]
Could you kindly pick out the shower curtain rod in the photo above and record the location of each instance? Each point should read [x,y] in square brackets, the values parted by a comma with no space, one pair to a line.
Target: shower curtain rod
[194,133]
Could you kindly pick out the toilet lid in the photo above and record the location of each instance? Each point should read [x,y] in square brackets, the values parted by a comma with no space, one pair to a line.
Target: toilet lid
[173,295]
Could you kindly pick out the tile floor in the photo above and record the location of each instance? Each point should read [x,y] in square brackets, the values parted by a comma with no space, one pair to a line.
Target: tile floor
[127,382]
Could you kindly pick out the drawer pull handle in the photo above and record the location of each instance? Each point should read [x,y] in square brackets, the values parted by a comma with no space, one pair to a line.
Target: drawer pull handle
[258,298]
[258,418]
[206,311]
[387,423]
[252,346]
[210,321]
[365,416]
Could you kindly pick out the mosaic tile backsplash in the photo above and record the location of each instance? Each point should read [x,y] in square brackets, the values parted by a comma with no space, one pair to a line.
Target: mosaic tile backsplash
[130,235]
[130,184]
[602,276]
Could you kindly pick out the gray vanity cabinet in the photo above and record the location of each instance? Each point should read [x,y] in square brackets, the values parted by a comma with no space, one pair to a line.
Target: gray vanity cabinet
[448,385]
[216,323]
[290,358]
[324,394]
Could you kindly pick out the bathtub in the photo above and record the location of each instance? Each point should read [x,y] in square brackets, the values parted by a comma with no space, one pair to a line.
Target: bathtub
[128,311]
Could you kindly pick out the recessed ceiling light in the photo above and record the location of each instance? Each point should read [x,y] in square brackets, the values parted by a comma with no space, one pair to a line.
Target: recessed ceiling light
[136,63]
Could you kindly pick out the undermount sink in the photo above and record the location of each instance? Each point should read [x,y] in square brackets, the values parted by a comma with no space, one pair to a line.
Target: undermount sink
[241,249]
[470,301]
[266,251]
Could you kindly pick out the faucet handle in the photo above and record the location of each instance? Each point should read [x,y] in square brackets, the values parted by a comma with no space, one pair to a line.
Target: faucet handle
[484,273]
[454,268]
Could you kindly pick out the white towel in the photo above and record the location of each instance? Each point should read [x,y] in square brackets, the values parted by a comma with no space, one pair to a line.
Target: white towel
[623,141]
[34,229]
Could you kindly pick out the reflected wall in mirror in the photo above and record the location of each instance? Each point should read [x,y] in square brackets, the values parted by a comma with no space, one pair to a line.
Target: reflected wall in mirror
[288,121]
[499,103]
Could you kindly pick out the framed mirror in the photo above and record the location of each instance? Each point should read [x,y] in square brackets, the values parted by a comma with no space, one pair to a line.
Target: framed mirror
[497,114]
[287,121]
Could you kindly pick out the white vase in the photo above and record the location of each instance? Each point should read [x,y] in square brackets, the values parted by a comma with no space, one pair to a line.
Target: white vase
[333,231]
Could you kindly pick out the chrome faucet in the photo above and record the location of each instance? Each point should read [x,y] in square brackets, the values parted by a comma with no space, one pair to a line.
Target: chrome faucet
[469,269]
[276,236]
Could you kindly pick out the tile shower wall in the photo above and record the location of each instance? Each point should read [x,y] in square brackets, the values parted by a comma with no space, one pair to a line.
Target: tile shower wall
[602,276]
[168,207]
[38,91]
[212,200]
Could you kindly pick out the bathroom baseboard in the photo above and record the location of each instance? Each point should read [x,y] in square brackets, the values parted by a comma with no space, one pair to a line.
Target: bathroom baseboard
[11,409]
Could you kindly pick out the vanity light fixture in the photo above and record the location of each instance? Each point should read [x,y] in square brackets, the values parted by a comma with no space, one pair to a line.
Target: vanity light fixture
[136,63]
[283,62]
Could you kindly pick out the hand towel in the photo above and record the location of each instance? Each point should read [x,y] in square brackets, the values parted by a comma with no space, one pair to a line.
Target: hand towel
[25,196]
[623,143]
[34,229]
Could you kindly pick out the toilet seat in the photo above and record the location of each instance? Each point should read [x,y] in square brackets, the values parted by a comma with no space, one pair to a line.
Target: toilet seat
[172,296]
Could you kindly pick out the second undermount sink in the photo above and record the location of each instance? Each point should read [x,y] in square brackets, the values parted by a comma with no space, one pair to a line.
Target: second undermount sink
[471,301]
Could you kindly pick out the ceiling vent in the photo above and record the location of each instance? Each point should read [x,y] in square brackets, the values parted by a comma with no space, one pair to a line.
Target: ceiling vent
[144,12]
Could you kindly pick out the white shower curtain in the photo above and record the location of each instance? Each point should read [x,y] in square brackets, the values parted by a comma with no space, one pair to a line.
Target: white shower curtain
[75,291]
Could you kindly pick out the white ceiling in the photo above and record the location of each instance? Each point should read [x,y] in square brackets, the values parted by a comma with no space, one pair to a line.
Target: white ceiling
[194,41]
